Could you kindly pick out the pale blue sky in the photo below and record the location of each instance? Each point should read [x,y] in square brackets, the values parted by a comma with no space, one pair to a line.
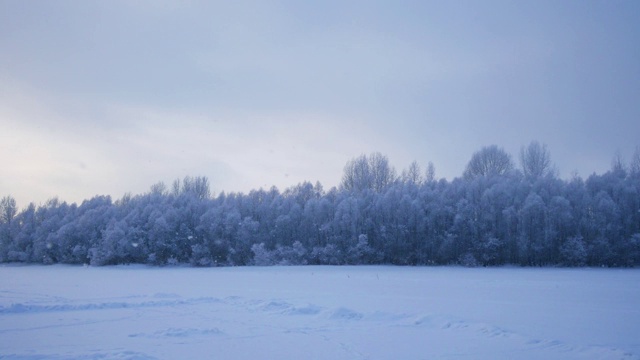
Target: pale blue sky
[106,97]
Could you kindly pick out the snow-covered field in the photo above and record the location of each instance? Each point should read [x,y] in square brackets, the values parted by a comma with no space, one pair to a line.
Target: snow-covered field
[378,312]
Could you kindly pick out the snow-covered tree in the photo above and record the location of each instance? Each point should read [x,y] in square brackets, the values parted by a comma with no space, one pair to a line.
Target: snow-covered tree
[413,174]
[374,217]
[574,252]
[634,165]
[488,161]
[371,172]
[535,160]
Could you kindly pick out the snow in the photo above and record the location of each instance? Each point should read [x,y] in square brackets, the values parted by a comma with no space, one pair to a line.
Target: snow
[313,312]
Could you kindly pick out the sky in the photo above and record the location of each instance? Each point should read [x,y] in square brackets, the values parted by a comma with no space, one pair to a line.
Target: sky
[110,97]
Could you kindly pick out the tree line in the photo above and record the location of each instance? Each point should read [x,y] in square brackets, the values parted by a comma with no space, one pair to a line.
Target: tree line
[494,214]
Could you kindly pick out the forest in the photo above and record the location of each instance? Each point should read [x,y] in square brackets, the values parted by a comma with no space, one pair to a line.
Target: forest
[496,213]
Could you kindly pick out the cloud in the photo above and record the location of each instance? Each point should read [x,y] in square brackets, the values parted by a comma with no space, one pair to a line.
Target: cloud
[254,150]
[112,97]
[61,150]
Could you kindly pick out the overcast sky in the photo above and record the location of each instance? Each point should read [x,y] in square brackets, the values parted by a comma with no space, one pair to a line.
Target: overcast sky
[109,97]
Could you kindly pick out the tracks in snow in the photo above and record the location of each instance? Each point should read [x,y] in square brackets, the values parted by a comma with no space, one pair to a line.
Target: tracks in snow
[301,319]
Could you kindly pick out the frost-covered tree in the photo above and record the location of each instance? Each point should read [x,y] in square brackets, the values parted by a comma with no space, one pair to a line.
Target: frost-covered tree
[634,165]
[473,220]
[50,218]
[247,234]
[413,174]
[158,189]
[261,255]
[25,224]
[361,252]
[534,244]
[574,252]
[535,160]
[198,186]
[371,172]
[8,209]
[488,161]
[629,251]
[430,173]
[618,167]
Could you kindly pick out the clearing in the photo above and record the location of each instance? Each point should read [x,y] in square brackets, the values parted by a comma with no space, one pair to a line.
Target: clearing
[313,312]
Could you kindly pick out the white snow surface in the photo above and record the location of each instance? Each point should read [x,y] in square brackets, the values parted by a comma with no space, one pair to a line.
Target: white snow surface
[313,312]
